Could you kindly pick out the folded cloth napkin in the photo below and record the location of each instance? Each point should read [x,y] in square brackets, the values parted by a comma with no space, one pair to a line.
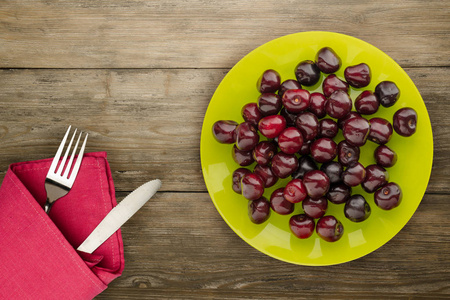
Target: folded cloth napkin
[38,259]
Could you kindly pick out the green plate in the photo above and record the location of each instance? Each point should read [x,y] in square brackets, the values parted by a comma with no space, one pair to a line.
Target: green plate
[411,172]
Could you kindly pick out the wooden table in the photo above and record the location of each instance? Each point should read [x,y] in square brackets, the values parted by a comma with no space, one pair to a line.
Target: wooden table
[138,75]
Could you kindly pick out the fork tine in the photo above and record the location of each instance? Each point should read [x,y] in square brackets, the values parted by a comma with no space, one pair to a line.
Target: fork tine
[78,161]
[58,153]
[63,161]
[74,151]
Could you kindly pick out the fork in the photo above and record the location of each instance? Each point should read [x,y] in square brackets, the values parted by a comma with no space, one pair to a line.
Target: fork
[57,183]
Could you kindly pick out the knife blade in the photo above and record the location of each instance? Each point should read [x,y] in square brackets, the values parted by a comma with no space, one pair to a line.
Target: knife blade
[119,215]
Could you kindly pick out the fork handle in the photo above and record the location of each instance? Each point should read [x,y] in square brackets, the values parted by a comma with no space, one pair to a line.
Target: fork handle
[48,206]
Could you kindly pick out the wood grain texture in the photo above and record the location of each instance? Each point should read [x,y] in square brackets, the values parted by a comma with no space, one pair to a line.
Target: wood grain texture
[207,34]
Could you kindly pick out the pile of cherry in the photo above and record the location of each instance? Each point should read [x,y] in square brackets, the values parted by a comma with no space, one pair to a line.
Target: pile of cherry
[299,139]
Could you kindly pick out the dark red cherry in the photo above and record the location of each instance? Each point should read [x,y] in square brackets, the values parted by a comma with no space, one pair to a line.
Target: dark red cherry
[246,136]
[317,103]
[349,116]
[387,93]
[296,101]
[339,193]
[317,183]
[242,158]
[347,153]
[271,126]
[225,131]
[269,104]
[356,131]
[327,60]
[308,124]
[259,210]
[289,117]
[236,179]
[389,196]
[329,228]
[405,121]
[376,177]
[323,150]
[315,208]
[354,174]
[338,105]
[333,170]
[295,191]
[264,152]
[366,103]
[251,113]
[269,82]
[357,209]
[284,164]
[289,84]
[380,131]
[385,156]
[305,150]
[332,83]
[279,204]
[301,226]
[307,73]
[265,172]
[328,128]
[290,140]
[305,164]
[252,186]
[358,76]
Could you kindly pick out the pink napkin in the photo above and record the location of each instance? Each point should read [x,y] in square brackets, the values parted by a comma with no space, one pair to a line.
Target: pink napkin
[38,259]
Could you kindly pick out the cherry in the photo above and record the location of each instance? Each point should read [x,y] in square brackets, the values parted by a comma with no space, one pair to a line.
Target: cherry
[269,82]
[380,131]
[289,84]
[296,101]
[315,208]
[323,150]
[290,140]
[339,193]
[358,76]
[356,131]
[269,104]
[347,153]
[263,152]
[317,103]
[389,196]
[333,170]
[349,116]
[295,191]
[354,174]
[328,128]
[284,164]
[387,93]
[327,60]
[305,150]
[305,164]
[376,177]
[265,172]
[307,73]
[289,117]
[329,228]
[236,179]
[332,83]
[302,226]
[271,126]
[405,121]
[308,124]
[317,183]
[279,204]
[242,158]
[252,186]
[246,136]
[338,105]
[366,103]
[225,131]
[385,156]
[259,210]
[357,209]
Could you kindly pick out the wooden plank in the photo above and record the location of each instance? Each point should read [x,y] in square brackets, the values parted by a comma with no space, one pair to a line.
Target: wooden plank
[178,247]
[204,34]
[160,113]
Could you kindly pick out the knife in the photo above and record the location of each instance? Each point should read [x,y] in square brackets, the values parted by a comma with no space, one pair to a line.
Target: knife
[119,215]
